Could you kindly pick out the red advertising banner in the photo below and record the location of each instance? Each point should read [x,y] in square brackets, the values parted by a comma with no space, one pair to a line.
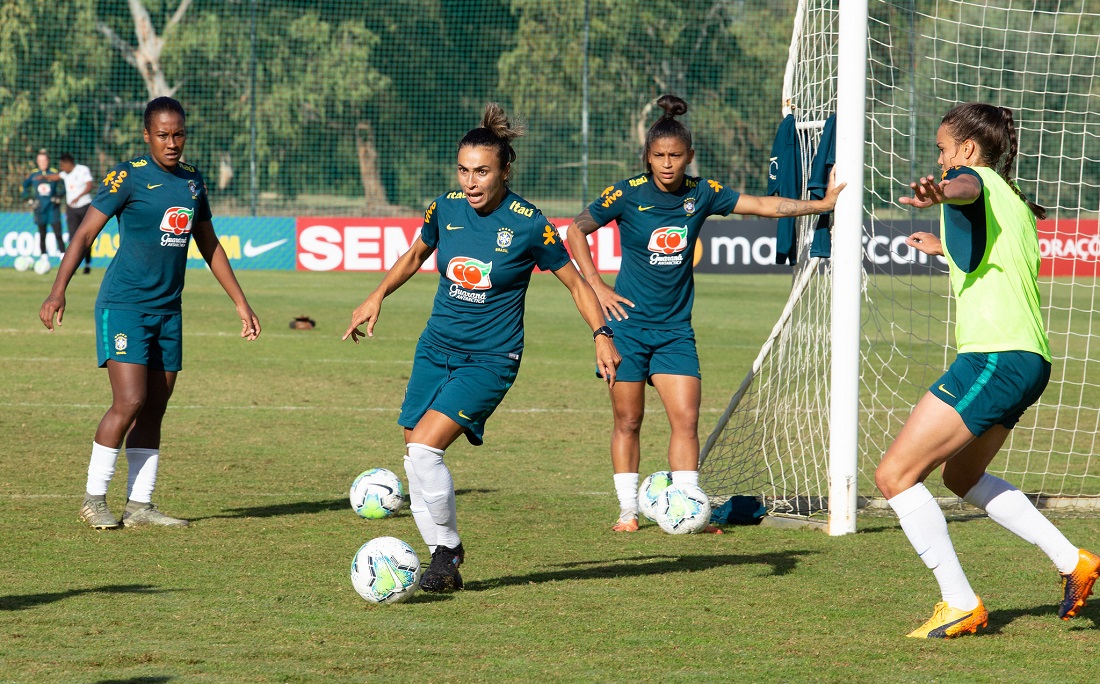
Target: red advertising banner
[1069,247]
[332,243]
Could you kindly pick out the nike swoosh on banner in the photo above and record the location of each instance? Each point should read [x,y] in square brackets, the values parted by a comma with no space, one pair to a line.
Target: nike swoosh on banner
[251,251]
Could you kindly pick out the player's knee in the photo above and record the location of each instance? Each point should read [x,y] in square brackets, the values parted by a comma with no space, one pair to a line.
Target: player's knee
[628,423]
[887,479]
[128,406]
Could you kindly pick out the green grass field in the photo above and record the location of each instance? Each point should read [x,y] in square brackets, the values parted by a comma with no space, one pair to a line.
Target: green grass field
[262,440]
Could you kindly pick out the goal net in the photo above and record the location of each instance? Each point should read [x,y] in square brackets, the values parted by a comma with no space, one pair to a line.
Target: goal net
[1038,58]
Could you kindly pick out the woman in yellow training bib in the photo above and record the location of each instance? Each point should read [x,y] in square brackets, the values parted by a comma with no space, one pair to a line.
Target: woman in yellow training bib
[988,234]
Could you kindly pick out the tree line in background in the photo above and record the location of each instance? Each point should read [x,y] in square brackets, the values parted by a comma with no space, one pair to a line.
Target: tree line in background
[368,99]
[364,101]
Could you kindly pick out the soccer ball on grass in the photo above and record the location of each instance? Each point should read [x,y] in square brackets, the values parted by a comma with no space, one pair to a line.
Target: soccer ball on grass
[651,488]
[385,570]
[42,266]
[377,493]
[683,509]
[24,262]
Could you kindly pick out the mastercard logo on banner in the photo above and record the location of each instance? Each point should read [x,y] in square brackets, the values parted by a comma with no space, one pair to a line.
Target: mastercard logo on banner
[470,273]
[177,220]
[669,240]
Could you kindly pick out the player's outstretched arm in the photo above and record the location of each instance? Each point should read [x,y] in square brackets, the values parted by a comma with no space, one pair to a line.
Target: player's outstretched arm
[404,268]
[782,207]
[611,302]
[607,356]
[214,254]
[79,243]
[927,191]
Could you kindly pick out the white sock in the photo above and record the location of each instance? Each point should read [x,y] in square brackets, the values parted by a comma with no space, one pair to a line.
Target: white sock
[1011,509]
[101,468]
[141,477]
[419,510]
[438,489]
[685,477]
[923,523]
[626,488]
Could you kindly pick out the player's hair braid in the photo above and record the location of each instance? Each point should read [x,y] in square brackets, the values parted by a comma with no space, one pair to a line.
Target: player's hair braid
[667,126]
[994,131]
[496,131]
[162,104]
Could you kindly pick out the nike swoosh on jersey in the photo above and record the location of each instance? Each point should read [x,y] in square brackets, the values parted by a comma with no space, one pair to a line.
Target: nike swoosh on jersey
[151,186]
[641,208]
[450,227]
[944,390]
[251,250]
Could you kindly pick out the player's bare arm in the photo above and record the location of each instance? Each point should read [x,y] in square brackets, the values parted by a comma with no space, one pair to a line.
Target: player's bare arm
[611,302]
[404,268]
[79,243]
[214,255]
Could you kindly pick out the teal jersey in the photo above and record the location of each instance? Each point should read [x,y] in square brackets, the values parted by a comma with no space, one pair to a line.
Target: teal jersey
[156,210]
[657,234]
[485,265]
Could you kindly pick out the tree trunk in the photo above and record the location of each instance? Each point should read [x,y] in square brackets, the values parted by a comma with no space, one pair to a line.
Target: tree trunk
[373,190]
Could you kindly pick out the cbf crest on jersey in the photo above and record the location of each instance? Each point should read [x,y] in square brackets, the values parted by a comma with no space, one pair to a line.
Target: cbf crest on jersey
[504,239]
[689,206]
[194,187]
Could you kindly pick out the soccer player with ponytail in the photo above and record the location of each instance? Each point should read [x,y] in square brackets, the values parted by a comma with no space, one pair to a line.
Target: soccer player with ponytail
[488,241]
[659,214]
[988,234]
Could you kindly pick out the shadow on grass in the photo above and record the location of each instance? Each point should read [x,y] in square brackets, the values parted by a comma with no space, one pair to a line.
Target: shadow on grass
[999,619]
[25,601]
[150,679]
[276,510]
[781,563]
[303,507]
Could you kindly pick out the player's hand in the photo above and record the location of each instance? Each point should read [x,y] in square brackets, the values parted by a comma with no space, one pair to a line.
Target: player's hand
[368,313]
[607,358]
[833,191]
[250,323]
[925,242]
[926,192]
[54,305]
[611,302]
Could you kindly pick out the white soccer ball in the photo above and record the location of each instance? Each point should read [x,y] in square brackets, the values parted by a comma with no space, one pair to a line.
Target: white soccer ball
[385,570]
[24,262]
[377,493]
[651,488]
[683,509]
[42,266]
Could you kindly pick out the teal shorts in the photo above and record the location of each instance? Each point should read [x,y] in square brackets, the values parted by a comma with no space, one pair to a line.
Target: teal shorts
[994,388]
[466,388]
[649,351]
[151,340]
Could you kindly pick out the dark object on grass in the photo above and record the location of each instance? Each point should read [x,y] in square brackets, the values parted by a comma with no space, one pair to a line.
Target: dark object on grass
[303,323]
[739,510]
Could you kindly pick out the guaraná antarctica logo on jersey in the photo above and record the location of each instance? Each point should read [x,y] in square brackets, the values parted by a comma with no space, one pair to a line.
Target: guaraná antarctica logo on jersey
[176,225]
[504,239]
[120,343]
[468,273]
[666,244]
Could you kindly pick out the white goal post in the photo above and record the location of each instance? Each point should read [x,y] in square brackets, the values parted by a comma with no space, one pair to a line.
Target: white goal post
[865,332]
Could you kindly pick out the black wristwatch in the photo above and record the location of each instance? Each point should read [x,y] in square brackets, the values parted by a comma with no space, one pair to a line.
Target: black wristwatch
[603,330]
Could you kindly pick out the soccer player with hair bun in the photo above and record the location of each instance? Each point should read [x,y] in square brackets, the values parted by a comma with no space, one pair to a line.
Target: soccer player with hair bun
[988,234]
[487,241]
[161,205]
[660,213]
